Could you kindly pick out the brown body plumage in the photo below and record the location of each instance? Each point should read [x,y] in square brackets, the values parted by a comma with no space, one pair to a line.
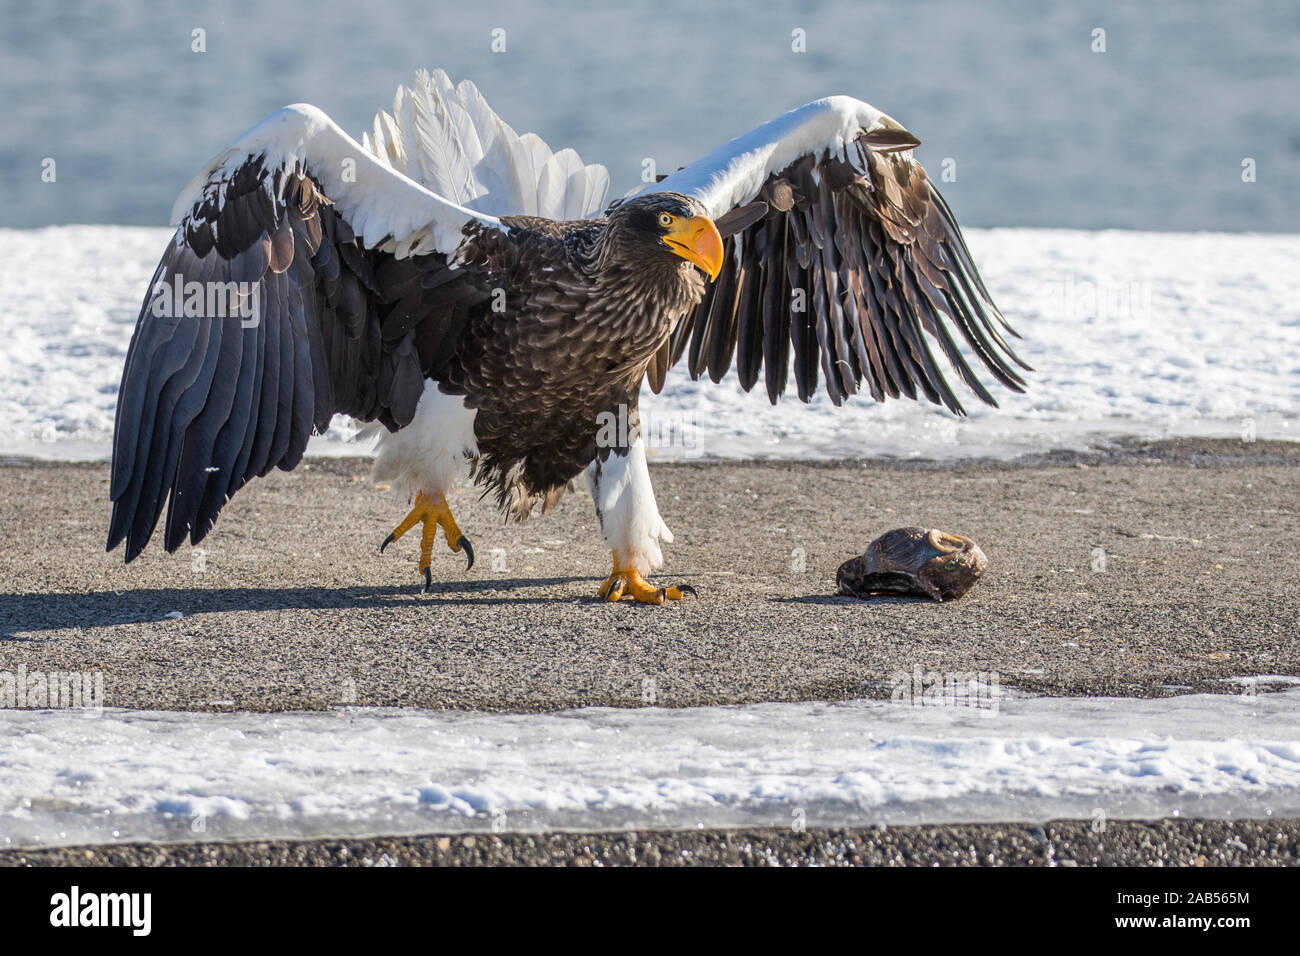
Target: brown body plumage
[583,307]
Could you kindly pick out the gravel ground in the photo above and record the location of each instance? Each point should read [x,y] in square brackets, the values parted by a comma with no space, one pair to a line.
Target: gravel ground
[1131,572]
[1062,843]
[1140,570]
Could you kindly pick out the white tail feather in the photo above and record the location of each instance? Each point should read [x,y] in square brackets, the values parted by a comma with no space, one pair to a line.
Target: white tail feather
[448,139]
[443,140]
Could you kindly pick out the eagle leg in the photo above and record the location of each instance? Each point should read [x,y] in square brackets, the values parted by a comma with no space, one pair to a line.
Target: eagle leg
[434,513]
[626,579]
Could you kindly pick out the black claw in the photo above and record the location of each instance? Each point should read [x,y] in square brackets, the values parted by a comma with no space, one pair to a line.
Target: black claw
[387,542]
[428,581]
[468,548]
[687,589]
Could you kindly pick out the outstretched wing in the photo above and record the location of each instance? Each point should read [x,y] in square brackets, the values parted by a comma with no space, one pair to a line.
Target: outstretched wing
[327,281]
[271,310]
[840,250]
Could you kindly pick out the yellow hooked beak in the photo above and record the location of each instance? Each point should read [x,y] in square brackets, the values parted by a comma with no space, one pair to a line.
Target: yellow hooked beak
[697,241]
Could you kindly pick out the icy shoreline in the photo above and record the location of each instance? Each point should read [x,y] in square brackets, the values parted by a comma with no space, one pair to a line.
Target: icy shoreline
[70,778]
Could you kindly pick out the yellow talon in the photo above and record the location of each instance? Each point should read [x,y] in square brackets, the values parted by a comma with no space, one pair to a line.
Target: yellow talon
[626,579]
[433,513]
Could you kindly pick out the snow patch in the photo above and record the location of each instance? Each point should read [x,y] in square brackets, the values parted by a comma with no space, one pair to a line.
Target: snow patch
[1131,333]
[69,778]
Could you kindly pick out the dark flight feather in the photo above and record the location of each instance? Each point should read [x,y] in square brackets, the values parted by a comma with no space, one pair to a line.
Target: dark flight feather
[856,266]
[210,401]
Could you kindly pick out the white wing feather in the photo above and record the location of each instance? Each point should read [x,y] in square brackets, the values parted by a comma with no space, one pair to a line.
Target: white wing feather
[733,173]
[378,201]
[440,159]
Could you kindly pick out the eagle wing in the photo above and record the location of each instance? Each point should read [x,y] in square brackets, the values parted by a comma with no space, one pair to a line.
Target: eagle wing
[346,287]
[840,251]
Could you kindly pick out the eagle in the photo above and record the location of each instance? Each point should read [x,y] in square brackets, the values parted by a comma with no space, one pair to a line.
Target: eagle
[468,292]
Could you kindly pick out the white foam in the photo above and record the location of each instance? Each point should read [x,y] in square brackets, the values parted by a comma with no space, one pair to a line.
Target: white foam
[66,777]
[1152,334]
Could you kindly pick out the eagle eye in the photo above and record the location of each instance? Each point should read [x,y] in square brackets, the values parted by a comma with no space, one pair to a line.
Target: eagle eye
[665,220]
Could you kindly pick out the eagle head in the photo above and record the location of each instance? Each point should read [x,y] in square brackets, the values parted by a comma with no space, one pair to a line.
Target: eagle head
[670,224]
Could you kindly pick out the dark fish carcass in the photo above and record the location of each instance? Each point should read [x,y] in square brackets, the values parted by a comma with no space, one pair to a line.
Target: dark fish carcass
[916,561]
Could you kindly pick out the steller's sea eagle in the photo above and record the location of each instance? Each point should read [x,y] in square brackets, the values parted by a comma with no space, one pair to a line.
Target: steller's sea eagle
[456,283]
